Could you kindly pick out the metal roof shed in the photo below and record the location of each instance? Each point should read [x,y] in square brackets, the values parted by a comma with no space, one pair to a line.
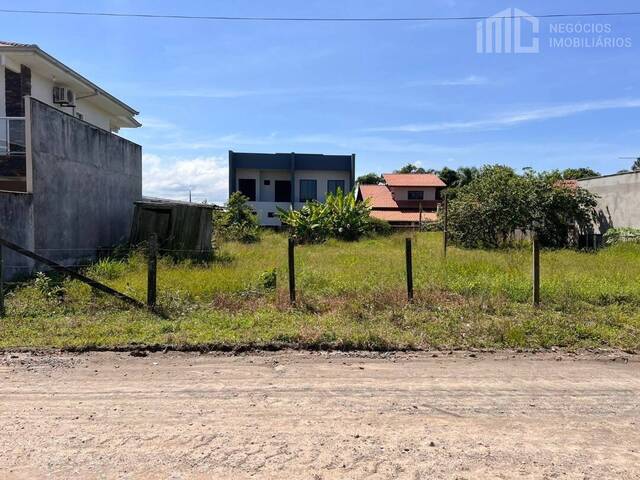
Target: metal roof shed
[184,229]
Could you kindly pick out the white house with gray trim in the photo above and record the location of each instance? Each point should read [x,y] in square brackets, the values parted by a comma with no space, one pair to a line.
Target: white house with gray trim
[288,180]
[68,183]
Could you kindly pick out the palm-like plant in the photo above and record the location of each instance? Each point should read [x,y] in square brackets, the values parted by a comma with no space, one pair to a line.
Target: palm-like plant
[348,218]
[340,216]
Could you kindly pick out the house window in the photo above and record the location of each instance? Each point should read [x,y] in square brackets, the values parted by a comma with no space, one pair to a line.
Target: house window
[283,191]
[308,190]
[415,195]
[334,185]
[247,186]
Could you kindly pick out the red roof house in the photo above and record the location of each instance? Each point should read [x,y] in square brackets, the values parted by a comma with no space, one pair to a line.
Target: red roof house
[405,198]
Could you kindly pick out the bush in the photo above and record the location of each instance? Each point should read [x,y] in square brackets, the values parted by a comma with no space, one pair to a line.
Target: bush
[237,221]
[378,226]
[614,236]
[340,216]
[487,212]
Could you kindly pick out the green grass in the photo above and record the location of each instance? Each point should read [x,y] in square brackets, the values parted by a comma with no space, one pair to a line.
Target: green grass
[351,295]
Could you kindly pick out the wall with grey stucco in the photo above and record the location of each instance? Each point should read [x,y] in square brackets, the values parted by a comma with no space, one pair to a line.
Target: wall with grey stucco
[619,202]
[85,181]
[16,225]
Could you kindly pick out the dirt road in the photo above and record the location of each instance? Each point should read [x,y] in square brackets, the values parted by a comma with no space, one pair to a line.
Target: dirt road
[319,416]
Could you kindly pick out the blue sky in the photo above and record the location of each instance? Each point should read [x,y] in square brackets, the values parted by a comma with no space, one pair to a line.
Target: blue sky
[392,93]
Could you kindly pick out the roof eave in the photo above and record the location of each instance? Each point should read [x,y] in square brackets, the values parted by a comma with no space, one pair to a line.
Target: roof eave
[37,50]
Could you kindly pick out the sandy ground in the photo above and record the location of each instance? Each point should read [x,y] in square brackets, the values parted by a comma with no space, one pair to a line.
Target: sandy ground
[320,416]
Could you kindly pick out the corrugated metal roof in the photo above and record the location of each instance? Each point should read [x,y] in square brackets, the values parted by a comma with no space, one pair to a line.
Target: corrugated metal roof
[413,180]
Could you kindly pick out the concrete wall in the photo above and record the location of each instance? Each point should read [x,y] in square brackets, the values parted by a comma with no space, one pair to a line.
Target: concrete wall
[85,181]
[619,202]
[16,225]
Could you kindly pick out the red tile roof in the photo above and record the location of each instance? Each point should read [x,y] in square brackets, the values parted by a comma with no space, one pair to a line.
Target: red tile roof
[379,196]
[399,216]
[570,184]
[413,180]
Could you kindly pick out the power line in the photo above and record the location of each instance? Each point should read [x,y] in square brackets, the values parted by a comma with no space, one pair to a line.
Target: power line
[314,19]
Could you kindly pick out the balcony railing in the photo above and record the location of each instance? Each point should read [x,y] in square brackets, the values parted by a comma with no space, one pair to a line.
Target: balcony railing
[13,154]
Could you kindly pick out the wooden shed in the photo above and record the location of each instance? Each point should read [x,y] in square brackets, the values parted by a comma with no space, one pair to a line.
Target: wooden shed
[184,229]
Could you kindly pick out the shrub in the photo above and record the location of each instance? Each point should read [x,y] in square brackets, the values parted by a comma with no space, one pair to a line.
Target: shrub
[237,221]
[487,212]
[268,279]
[309,224]
[107,269]
[614,236]
[378,226]
[340,216]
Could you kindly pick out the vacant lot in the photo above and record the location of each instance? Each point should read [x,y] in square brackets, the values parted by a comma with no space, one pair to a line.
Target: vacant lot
[351,295]
[319,416]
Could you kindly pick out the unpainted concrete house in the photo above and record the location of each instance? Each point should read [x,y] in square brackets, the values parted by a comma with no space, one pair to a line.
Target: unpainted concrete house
[68,183]
[618,200]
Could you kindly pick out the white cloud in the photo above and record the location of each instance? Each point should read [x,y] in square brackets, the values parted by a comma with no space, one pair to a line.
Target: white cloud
[515,118]
[206,177]
[466,81]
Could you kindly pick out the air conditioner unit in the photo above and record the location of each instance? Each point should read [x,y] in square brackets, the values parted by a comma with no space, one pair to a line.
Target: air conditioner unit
[64,96]
[71,98]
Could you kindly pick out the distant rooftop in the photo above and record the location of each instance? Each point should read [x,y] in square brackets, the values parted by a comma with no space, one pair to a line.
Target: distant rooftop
[413,180]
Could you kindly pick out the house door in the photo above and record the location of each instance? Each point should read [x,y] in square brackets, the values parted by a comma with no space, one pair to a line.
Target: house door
[283,191]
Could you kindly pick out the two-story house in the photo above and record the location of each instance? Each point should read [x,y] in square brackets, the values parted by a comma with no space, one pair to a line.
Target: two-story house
[404,198]
[67,183]
[287,180]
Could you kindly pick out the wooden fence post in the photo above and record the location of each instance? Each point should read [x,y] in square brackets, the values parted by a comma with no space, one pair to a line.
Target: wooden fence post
[409,269]
[152,270]
[2,311]
[536,270]
[292,271]
[445,227]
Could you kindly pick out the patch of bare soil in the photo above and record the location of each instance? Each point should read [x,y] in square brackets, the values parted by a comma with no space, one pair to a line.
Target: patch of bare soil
[319,415]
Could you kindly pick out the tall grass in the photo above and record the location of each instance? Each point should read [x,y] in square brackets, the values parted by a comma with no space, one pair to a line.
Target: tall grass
[351,294]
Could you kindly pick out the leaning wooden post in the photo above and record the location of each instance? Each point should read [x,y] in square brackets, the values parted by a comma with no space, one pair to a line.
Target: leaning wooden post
[445,227]
[536,270]
[292,271]
[409,269]
[152,271]
[2,311]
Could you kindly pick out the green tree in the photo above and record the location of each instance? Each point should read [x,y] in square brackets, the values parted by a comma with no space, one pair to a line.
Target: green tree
[466,175]
[411,168]
[636,164]
[449,176]
[370,179]
[237,221]
[488,211]
[577,173]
